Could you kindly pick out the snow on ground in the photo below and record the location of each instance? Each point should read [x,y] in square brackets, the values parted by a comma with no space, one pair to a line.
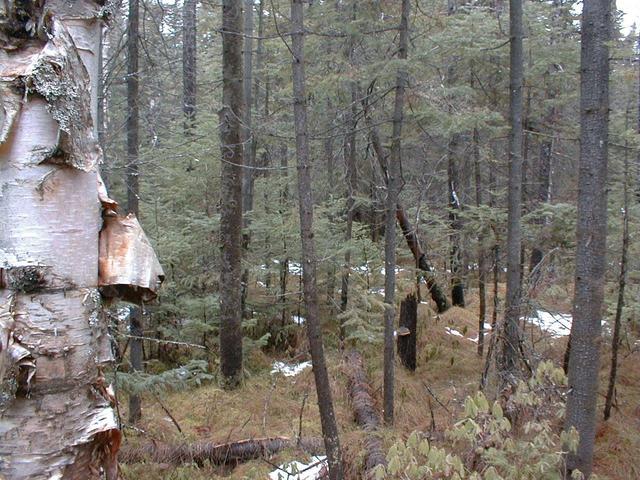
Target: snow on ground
[298,320]
[295,268]
[379,291]
[289,369]
[452,331]
[397,270]
[295,470]
[557,324]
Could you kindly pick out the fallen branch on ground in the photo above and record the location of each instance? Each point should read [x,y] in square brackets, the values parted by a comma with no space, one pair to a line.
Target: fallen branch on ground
[364,410]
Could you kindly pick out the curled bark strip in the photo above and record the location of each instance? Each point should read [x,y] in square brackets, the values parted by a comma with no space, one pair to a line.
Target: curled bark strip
[9,108]
[364,410]
[128,268]
[218,454]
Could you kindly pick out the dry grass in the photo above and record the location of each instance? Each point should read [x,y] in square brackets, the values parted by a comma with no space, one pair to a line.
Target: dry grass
[449,365]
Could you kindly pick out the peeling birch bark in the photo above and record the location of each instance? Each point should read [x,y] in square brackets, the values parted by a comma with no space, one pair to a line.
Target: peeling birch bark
[56,415]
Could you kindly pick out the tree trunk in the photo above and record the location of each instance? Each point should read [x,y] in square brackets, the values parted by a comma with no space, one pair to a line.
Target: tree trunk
[393,189]
[482,263]
[365,412]
[584,360]
[408,332]
[56,414]
[305,194]
[132,182]
[457,286]
[509,355]
[189,72]
[352,178]
[232,158]
[248,175]
[622,280]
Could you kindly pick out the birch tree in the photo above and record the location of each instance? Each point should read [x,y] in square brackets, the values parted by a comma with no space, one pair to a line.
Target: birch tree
[57,416]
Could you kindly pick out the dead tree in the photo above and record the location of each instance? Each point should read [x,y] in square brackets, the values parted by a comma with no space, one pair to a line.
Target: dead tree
[407,332]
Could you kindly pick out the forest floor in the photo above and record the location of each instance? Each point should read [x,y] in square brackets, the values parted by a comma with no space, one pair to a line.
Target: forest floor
[429,400]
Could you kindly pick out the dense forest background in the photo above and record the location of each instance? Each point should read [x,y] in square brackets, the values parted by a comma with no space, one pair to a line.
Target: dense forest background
[453,195]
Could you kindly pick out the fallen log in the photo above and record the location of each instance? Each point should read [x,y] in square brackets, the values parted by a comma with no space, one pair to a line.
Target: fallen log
[364,410]
[230,453]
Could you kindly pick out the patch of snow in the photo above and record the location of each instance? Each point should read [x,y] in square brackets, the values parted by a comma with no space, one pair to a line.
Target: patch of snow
[261,284]
[454,332]
[295,268]
[378,291]
[288,369]
[301,471]
[298,320]
[397,270]
[557,324]
[361,268]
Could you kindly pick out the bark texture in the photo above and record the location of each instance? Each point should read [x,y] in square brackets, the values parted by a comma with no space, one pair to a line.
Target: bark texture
[305,196]
[231,115]
[393,189]
[509,355]
[189,71]
[57,417]
[364,411]
[132,182]
[584,359]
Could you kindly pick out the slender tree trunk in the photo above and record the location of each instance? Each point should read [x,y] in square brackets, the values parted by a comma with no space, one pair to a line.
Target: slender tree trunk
[393,189]
[232,158]
[133,188]
[584,360]
[482,267]
[622,280]
[248,175]
[189,72]
[305,194]
[352,177]
[508,360]
[457,286]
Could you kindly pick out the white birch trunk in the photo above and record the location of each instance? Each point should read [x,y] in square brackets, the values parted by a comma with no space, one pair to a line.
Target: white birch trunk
[57,420]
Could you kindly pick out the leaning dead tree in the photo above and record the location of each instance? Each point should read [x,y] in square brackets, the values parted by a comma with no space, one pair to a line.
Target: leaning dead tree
[364,411]
[56,411]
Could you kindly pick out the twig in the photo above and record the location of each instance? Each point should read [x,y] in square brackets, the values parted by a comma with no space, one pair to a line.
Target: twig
[266,406]
[435,397]
[304,401]
[166,410]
